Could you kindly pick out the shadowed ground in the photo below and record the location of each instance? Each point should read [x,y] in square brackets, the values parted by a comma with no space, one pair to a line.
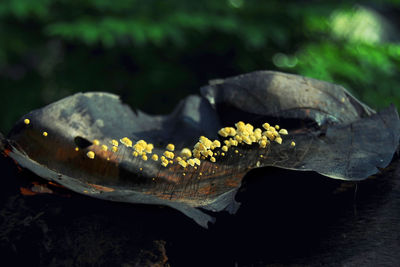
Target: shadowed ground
[286,218]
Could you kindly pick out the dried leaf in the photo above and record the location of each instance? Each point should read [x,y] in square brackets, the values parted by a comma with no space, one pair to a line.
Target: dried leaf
[345,140]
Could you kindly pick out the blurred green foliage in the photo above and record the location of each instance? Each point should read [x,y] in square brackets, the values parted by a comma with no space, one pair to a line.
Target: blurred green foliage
[155,52]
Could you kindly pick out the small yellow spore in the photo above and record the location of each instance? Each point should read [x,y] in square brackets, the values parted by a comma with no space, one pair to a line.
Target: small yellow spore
[135,154]
[164,163]
[76,148]
[141,169]
[149,148]
[27,121]
[96,142]
[185,152]
[114,149]
[196,161]
[169,154]
[212,159]
[283,131]
[90,155]
[144,157]
[154,157]
[236,151]
[126,141]
[278,140]
[217,143]
[114,142]
[263,143]
[191,162]
[171,147]
[277,127]
[292,143]
[222,154]
[183,163]
[45,134]
[104,147]
[224,148]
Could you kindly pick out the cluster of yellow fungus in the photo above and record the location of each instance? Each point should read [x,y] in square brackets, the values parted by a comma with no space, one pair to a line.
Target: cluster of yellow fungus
[246,134]
[204,149]
[142,148]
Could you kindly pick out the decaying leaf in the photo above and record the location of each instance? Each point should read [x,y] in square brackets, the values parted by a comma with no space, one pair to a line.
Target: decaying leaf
[335,135]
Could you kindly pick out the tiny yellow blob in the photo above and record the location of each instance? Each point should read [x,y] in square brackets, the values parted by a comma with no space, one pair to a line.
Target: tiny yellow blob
[200,173]
[171,147]
[27,121]
[154,157]
[196,161]
[114,149]
[222,154]
[236,151]
[164,163]
[212,159]
[114,142]
[135,154]
[183,174]
[149,148]
[90,155]
[171,162]
[182,163]
[169,154]
[216,143]
[266,126]
[96,142]
[224,148]
[263,144]
[144,157]
[76,148]
[292,143]
[278,140]
[45,134]
[223,133]
[191,162]
[141,169]
[104,147]
[185,152]
[283,131]
[277,127]
[126,141]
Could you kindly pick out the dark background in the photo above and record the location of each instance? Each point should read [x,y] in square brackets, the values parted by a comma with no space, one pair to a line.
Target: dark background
[153,53]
